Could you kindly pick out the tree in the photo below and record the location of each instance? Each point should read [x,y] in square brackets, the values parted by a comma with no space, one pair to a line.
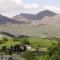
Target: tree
[55,57]
[23,39]
[54,52]
[4,48]
[9,52]
[17,48]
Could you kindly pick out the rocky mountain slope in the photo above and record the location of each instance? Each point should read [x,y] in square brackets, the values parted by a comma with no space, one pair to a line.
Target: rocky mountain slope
[43,24]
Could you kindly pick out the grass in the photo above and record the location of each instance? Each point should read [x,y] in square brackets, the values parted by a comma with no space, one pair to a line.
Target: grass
[9,43]
[35,42]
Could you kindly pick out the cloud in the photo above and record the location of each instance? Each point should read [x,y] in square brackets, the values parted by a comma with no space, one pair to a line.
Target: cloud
[31,6]
[53,8]
[18,2]
[11,7]
[7,7]
[21,3]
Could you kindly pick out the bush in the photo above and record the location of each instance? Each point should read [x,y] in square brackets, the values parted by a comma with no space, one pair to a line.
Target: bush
[54,52]
[4,48]
[29,56]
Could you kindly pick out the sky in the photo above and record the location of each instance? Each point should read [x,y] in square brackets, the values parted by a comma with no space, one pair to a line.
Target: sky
[11,8]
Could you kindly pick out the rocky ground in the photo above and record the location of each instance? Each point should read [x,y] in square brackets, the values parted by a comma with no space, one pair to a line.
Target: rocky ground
[9,57]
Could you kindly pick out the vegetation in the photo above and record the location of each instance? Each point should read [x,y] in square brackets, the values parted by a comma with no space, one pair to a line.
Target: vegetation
[17,46]
[43,42]
[54,52]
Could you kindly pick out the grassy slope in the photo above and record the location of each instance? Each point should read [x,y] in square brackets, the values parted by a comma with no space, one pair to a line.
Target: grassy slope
[42,42]
[9,43]
[34,41]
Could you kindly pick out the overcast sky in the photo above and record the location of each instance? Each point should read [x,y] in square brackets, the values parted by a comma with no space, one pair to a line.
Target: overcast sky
[11,8]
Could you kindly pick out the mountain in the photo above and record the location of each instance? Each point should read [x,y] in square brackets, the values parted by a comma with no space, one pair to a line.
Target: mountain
[44,13]
[37,16]
[43,24]
[28,16]
[20,18]
[6,20]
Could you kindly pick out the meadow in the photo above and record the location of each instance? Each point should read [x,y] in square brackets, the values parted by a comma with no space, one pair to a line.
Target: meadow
[34,41]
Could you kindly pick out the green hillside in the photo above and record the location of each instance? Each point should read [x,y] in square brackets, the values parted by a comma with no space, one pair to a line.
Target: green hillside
[34,41]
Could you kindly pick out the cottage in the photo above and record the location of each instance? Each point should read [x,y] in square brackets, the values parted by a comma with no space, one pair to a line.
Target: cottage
[28,47]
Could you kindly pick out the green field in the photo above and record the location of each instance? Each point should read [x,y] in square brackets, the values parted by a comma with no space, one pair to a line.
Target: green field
[9,43]
[35,42]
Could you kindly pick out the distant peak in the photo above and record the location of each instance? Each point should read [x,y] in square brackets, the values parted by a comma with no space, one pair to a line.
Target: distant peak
[38,16]
[25,14]
[48,11]
[0,15]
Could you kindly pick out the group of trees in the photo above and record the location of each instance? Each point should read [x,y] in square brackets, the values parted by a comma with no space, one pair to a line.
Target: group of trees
[16,48]
[23,39]
[54,52]
[13,49]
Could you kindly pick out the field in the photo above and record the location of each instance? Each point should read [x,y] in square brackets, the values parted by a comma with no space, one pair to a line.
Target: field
[34,41]
[9,43]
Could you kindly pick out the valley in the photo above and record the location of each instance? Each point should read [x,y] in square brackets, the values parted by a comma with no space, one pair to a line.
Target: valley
[30,37]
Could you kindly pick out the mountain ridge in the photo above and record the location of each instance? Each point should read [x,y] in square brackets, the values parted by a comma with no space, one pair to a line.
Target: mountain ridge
[37,16]
[47,26]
